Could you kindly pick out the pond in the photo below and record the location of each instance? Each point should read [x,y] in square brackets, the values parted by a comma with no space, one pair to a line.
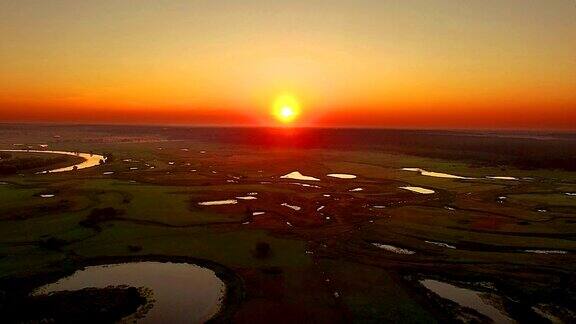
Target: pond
[468,298]
[182,292]
[295,175]
[90,160]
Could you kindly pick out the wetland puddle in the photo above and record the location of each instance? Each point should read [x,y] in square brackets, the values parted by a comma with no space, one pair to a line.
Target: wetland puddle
[182,292]
[503,178]
[393,249]
[546,251]
[467,298]
[441,244]
[453,176]
[246,198]
[298,176]
[419,190]
[305,185]
[90,160]
[218,202]
[434,174]
[292,206]
[342,176]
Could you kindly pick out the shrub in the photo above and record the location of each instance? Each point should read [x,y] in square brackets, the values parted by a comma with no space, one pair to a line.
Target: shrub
[52,243]
[262,250]
[99,215]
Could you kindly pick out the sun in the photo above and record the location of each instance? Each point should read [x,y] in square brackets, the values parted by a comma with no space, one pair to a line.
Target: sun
[286,108]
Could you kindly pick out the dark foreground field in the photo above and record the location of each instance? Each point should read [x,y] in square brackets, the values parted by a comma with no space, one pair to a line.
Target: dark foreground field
[496,241]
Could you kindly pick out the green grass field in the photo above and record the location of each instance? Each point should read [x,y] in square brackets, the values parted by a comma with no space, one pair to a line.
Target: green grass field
[315,251]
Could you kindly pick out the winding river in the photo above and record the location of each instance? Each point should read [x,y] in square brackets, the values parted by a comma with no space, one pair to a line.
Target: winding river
[90,160]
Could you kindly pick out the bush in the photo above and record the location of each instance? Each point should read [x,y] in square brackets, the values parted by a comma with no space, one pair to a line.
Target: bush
[262,250]
[109,157]
[99,215]
[52,243]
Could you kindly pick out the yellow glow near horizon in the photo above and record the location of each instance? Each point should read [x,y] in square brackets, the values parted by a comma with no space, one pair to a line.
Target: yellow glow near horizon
[286,108]
[396,64]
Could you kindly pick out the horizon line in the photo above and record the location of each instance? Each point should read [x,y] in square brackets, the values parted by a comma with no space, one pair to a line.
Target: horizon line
[254,126]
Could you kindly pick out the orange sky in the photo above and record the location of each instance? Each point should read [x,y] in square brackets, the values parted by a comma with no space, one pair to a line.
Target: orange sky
[411,63]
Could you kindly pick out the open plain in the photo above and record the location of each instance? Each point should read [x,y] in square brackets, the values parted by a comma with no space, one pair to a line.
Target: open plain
[301,225]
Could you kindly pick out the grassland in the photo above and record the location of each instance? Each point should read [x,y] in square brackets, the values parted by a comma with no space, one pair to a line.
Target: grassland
[323,266]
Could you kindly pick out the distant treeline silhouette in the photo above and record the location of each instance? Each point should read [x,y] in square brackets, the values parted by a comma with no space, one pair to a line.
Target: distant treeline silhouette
[522,149]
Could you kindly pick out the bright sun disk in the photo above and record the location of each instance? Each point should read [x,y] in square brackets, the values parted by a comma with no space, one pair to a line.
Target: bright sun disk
[286,108]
